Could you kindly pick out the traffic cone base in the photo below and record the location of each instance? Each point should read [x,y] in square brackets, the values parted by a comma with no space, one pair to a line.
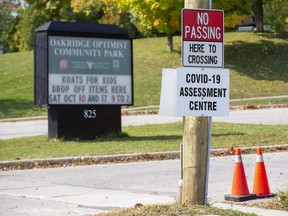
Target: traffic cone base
[265,196]
[242,198]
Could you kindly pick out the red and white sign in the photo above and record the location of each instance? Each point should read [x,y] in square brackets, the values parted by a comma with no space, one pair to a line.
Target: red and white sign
[202,38]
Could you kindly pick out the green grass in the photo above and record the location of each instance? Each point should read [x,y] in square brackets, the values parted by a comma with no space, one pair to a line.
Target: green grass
[257,62]
[16,86]
[269,101]
[142,139]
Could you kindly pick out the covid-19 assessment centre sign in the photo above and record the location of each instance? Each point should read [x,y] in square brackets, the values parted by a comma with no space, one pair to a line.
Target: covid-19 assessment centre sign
[202,38]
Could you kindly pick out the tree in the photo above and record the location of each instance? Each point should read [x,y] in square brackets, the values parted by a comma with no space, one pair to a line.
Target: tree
[105,12]
[52,8]
[8,22]
[161,15]
[235,11]
[37,13]
[276,14]
[259,16]
[30,18]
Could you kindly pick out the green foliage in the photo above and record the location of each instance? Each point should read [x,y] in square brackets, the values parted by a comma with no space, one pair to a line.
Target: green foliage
[123,20]
[29,19]
[8,23]
[153,15]
[6,17]
[235,11]
[19,34]
[52,8]
[276,15]
[163,16]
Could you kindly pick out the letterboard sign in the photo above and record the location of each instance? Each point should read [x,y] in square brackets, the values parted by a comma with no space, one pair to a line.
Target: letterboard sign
[83,70]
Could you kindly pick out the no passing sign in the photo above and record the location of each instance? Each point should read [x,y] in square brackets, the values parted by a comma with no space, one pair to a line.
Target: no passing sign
[202,38]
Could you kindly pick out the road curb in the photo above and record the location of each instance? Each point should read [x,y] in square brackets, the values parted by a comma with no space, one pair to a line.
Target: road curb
[121,158]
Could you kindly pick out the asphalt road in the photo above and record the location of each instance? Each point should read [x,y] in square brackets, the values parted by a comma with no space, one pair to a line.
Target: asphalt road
[10,130]
[92,189]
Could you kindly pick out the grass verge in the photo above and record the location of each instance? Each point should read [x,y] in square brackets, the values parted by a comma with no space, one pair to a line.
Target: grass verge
[174,210]
[280,202]
[255,103]
[142,139]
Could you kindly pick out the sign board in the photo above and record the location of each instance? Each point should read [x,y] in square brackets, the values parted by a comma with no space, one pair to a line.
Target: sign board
[84,70]
[202,92]
[202,38]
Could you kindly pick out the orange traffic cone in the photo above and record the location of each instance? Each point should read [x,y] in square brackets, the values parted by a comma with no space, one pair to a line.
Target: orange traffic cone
[240,191]
[261,185]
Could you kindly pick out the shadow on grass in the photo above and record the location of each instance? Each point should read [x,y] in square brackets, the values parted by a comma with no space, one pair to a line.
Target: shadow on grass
[140,138]
[156,138]
[269,35]
[261,61]
[228,134]
[18,108]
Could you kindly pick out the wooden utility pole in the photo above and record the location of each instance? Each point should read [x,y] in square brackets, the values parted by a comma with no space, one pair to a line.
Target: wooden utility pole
[195,146]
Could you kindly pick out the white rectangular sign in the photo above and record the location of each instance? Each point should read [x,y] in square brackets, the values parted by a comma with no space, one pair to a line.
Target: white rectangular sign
[202,54]
[202,92]
[168,92]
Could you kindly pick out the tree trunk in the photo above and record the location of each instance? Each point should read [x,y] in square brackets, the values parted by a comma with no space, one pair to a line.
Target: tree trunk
[170,42]
[196,4]
[259,16]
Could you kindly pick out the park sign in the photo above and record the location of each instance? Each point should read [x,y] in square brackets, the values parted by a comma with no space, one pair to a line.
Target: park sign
[86,70]
[202,38]
[83,73]
[83,63]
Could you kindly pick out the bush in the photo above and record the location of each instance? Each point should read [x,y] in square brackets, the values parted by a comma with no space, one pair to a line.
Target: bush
[276,13]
